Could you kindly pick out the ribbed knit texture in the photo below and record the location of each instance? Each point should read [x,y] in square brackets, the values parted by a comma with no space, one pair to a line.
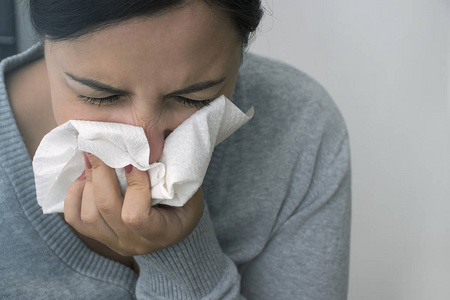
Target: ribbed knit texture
[185,263]
[276,223]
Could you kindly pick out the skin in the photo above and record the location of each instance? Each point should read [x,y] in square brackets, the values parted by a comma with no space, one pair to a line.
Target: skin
[150,60]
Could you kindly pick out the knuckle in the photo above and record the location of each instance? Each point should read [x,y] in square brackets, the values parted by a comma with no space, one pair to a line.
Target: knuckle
[139,183]
[134,249]
[70,219]
[72,192]
[88,174]
[94,160]
[139,250]
[106,207]
[89,218]
[133,220]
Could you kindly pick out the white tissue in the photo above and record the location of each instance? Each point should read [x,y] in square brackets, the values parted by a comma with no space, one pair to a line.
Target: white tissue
[174,178]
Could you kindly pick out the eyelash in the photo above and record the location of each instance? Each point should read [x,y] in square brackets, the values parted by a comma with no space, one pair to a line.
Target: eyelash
[112,99]
[99,101]
[194,103]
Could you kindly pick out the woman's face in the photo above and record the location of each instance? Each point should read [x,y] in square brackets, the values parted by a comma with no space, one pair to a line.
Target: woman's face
[150,72]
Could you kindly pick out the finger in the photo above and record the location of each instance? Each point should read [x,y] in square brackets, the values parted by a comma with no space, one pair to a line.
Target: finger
[196,204]
[137,201]
[192,209]
[72,202]
[190,213]
[87,168]
[93,224]
[106,192]
[89,213]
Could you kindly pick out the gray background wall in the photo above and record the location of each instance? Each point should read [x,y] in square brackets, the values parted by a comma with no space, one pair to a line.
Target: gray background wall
[25,37]
[386,63]
[7,29]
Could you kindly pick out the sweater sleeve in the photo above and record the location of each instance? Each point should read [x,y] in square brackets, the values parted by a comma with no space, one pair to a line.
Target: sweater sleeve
[195,268]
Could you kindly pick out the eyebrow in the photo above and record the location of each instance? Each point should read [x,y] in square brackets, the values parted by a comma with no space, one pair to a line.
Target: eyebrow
[101,87]
[96,85]
[198,87]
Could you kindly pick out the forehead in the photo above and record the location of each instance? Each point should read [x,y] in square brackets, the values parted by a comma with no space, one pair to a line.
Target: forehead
[185,42]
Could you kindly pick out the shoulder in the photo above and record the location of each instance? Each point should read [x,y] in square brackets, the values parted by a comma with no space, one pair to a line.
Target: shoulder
[290,99]
[267,77]
[298,132]
[268,67]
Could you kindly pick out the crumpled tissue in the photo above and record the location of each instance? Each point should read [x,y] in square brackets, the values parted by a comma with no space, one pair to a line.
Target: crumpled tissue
[174,178]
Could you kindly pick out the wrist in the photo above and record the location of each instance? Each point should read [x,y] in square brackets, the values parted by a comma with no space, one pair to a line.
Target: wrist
[191,268]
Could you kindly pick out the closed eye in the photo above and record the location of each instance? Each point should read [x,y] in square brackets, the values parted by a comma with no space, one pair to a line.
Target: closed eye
[114,98]
[100,101]
[193,103]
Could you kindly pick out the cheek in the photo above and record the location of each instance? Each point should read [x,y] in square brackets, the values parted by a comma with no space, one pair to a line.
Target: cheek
[66,108]
[62,108]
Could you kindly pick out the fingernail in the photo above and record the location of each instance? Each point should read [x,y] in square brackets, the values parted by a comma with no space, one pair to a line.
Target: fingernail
[86,160]
[82,176]
[128,169]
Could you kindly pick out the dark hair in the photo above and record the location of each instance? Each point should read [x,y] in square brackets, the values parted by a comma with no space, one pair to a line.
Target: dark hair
[68,19]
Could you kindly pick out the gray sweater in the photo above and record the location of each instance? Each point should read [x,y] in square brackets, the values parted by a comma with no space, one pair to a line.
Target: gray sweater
[277,223]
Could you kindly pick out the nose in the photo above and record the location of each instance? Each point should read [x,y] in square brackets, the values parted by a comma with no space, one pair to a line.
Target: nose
[156,136]
[156,129]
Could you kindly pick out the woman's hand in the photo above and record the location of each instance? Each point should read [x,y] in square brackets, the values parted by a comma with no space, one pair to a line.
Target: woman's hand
[128,225]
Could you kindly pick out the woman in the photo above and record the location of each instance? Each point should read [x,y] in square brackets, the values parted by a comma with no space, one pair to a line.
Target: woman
[273,219]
